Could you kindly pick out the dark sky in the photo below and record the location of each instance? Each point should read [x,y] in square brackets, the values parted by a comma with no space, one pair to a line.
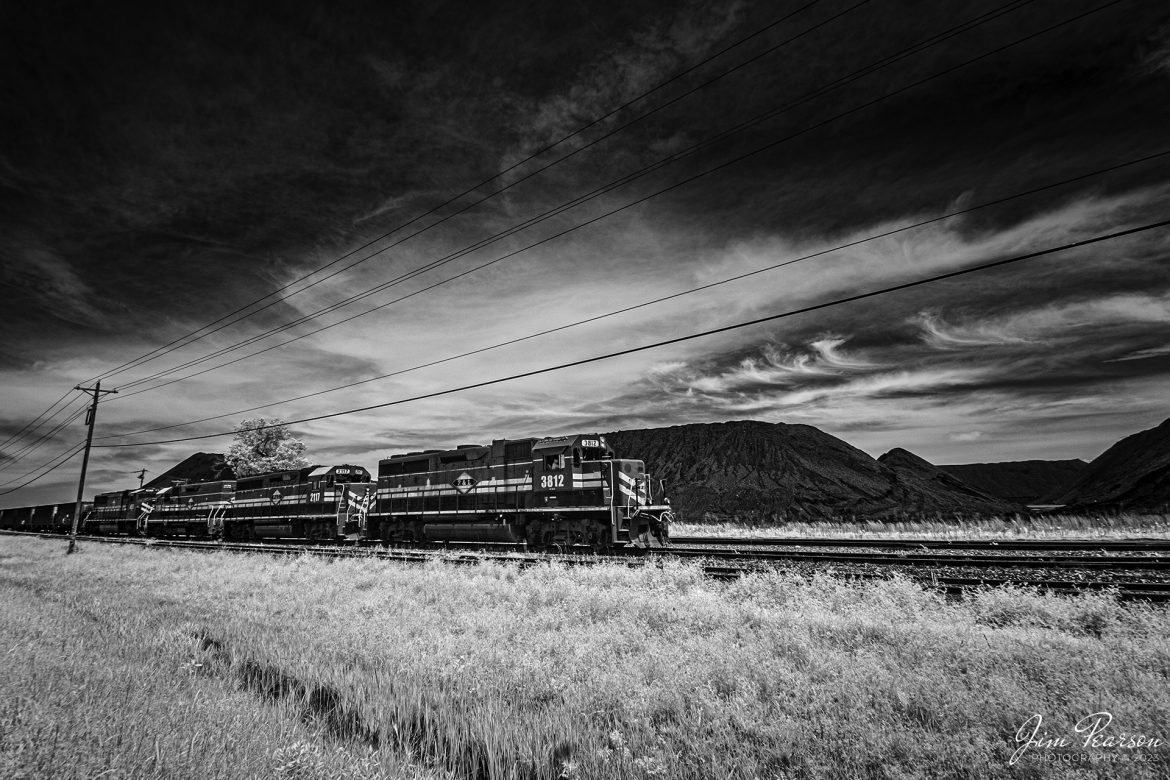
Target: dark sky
[162,167]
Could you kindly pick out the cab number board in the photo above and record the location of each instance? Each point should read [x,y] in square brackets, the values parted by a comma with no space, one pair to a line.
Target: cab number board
[552,480]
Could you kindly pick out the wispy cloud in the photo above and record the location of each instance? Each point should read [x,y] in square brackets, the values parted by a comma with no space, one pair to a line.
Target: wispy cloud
[1145,354]
[943,335]
[1157,58]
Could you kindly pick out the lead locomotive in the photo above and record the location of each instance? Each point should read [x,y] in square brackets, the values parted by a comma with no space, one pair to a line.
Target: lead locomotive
[568,490]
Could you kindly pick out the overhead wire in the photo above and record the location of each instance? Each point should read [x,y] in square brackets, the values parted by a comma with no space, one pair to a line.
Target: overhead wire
[483,242]
[45,438]
[689,337]
[45,470]
[33,424]
[165,349]
[932,40]
[24,452]
[669,159]
[672,296]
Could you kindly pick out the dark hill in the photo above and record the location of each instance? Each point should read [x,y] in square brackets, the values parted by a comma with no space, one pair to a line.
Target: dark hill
[764,471]
[1021,481]
[1132,474]
[932,479]
[908,462]
[200,467]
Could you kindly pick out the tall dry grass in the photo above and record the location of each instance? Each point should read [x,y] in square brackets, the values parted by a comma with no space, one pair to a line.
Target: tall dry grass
[155,663]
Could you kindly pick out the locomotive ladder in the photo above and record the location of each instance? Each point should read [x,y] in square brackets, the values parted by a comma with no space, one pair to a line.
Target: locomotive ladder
[215,519]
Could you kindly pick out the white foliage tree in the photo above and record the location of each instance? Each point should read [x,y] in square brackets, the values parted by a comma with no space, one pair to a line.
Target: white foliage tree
[263,445]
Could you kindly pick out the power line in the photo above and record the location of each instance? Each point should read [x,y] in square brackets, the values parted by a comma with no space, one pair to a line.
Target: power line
[692,336]
[482,242]
[165,349]
[28,448]
[738,277]
[19,433]
[31,423]
[40,441]
[66,458]
[589,196]
[932,40]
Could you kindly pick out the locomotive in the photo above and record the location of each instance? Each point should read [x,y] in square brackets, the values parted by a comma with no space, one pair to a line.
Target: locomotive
[559,492]
[316,502]
[553,492]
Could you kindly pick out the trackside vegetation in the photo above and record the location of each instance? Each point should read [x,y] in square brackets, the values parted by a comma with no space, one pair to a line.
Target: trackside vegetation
[129,662]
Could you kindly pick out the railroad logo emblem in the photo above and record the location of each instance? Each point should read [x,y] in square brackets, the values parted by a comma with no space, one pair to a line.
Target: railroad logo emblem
[464,482]
[276,496]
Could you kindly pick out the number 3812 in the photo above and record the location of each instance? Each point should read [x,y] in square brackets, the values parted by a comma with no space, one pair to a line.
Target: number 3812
[552,480]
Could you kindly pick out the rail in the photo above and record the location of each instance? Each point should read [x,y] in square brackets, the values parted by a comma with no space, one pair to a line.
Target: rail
[725,566]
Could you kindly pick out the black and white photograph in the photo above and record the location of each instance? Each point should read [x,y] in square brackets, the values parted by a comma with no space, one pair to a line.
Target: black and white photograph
[633,390]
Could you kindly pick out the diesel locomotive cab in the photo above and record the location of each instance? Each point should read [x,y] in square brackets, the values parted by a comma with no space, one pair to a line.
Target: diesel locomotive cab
[581,470]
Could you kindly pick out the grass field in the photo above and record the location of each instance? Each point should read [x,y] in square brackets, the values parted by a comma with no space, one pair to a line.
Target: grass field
[126,662]
[1051,526]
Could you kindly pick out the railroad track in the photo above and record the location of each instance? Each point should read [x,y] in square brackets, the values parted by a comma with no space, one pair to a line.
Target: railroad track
[1105,545]
[728,565]
[905,558]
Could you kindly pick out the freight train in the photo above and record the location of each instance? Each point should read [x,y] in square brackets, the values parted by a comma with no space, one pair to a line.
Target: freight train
[551,493]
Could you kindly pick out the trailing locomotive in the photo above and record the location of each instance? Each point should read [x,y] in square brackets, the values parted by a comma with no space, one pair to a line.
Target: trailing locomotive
[319,502]
[548,493]
[563,491]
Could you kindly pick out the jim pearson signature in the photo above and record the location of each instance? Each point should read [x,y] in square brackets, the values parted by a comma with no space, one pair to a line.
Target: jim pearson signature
[1091,731]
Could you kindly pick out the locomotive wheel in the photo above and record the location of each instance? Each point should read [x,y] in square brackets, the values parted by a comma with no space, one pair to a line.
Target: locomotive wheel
[640,535]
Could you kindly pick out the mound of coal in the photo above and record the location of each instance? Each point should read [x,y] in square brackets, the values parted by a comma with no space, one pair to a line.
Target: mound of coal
[1133,474]
[942,484]
[1020,481]
[772,472]
[200,467]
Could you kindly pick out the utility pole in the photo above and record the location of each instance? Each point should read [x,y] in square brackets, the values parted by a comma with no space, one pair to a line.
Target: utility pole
[90,419]
[141,477]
